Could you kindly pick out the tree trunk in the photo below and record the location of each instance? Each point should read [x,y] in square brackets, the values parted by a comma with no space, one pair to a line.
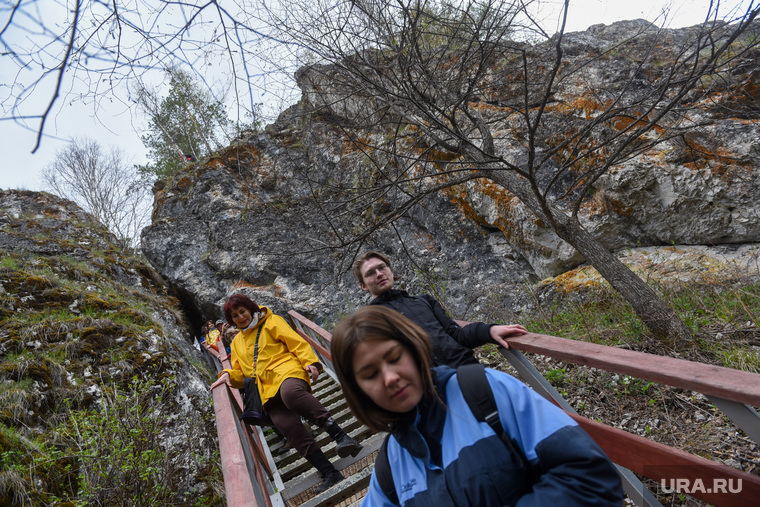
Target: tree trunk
[656,315]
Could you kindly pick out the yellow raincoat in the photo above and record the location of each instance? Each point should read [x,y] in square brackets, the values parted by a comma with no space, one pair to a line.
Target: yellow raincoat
[212,336]
[282,354]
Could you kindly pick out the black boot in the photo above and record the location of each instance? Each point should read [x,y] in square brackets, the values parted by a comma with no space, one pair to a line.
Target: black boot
[330,476]
[345,444]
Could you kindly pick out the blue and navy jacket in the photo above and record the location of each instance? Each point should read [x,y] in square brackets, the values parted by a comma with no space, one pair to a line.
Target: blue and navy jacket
[442,456]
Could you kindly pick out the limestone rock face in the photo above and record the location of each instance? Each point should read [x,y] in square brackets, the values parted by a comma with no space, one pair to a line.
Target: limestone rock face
[84,323]
[247,219]
[231,225]
[652,199]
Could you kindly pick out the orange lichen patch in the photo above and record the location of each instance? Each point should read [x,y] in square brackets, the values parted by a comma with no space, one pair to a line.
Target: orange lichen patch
[490,108]
[235,156]
[278,290]
[426,239]
[717,153]
[602,204]
[589,104]
[184,183]
[499,194]
[748,91]
[577,279]
[624,122]
[215,163]
[442,156]
[357,144]
[739,100]
[241,284]
[629,123]
[458,197]
[505,202]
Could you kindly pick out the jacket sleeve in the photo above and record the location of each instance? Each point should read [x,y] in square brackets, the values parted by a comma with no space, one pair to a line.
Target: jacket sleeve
[471,336]
[572,469]
[295,344]
[237,377]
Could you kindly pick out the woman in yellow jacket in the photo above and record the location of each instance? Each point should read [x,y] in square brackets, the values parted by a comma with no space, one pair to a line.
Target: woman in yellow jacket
[284,365]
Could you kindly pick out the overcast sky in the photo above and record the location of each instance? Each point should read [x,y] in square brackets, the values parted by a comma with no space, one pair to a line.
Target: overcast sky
[114,124]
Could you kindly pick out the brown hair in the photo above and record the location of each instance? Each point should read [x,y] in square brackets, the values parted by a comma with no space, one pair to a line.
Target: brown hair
[372,323]
[236,300]
[359,262]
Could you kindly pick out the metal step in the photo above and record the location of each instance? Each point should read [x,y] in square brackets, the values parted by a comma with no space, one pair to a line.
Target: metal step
[356,470]
[299,477]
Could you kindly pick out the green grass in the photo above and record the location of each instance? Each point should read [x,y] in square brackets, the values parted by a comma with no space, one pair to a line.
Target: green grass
[741,359]
[723,318]
[9,263]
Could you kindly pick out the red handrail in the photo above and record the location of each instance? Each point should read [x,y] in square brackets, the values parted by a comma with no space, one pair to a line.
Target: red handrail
[633,452]
[243,486]
[239,489]
[726,383]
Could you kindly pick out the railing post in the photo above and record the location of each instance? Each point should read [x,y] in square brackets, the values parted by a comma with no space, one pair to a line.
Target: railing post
[744,416]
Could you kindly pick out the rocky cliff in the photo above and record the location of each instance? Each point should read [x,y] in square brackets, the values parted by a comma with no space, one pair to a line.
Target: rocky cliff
[246,218]
[103,397]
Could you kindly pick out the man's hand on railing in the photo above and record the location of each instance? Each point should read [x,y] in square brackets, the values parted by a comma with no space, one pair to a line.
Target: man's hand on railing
[499,333]
[224,378]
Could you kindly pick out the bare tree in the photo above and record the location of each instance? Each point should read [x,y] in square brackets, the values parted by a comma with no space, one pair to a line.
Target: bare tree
[97,51]
[452,82]
[103,184]
[456,92]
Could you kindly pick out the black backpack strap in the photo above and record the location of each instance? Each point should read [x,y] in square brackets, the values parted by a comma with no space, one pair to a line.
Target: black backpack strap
[479,397]
[383,472]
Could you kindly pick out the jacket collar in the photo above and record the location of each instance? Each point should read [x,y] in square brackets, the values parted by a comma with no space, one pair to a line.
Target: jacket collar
[389,295]
[421,429]
[264,314]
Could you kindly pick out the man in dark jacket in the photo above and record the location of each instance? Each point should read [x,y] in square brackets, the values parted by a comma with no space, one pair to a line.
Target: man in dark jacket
[452,344]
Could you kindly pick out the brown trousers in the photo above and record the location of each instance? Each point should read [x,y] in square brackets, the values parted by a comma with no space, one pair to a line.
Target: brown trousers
[293,401]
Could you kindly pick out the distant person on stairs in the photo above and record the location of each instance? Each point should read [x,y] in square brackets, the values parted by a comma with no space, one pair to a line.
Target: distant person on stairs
[452,344]
[212,336]
[268,350]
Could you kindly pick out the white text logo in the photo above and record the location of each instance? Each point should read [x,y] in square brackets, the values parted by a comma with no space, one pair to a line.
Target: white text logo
[699,486]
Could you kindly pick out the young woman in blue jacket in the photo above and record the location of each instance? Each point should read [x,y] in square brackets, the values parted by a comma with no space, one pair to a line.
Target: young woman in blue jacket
[439,453]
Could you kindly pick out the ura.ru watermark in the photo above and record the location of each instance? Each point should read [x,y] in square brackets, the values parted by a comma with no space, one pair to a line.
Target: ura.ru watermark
[715,484]
[709,486]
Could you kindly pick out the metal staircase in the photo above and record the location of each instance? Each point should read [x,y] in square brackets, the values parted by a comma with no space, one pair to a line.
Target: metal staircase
[260,471]
[299,478]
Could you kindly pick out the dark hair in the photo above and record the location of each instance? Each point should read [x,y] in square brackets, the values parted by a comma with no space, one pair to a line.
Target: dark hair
[371,323]
[227,336]
[359,262]
[236,300]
